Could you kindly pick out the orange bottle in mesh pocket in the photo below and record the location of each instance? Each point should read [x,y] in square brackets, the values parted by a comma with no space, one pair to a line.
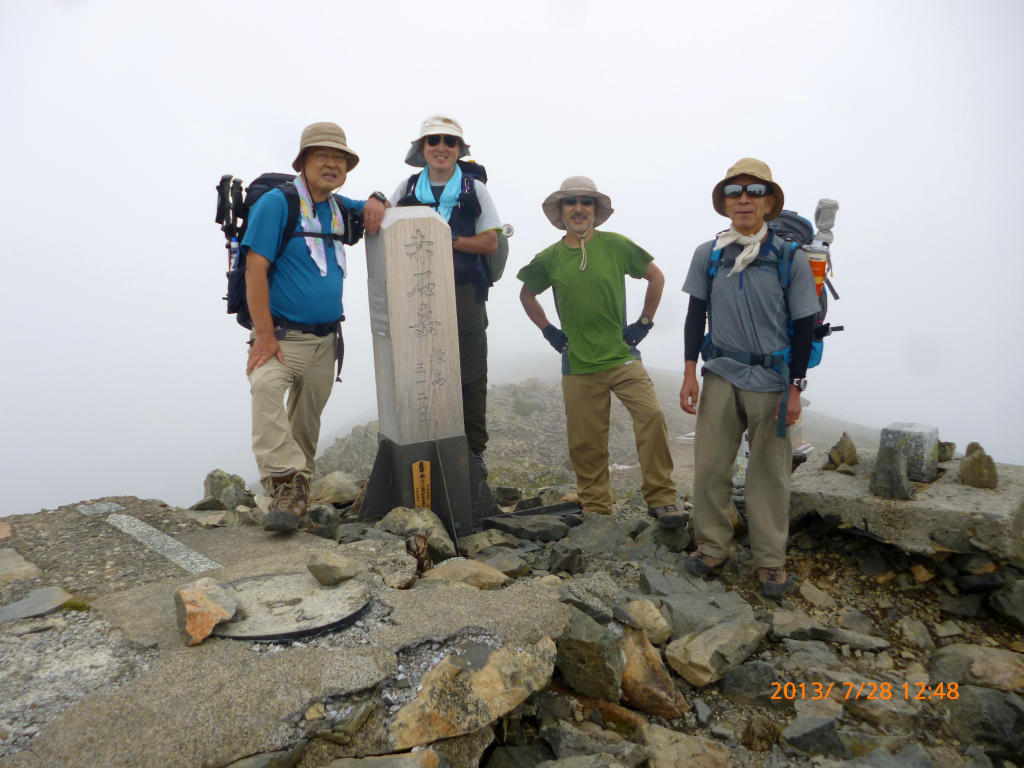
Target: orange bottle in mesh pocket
[819,265]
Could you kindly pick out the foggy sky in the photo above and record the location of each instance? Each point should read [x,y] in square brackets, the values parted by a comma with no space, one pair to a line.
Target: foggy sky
[122,374]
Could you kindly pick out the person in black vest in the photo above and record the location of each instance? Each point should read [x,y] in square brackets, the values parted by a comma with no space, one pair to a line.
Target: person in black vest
[452,189]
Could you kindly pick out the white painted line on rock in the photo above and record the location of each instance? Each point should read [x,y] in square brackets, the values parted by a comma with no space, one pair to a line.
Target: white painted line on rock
[161,543]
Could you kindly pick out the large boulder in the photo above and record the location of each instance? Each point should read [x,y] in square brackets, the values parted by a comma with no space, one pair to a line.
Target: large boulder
[454,699]
[471,573]
[589,658]
[201,606]
[405,522]
[977,665]
[338,488]
[646,683]
[704,657]
[672,749]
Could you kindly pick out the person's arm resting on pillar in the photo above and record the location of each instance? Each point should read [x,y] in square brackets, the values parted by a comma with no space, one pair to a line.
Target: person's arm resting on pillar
[693,339]
[485,243]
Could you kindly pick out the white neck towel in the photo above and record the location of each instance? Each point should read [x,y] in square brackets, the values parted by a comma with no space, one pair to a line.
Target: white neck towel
[751,246]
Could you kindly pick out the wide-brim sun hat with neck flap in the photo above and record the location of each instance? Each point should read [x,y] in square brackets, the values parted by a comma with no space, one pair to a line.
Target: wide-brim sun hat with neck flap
[748,166]
[324,135]
[435,125]
[577,186]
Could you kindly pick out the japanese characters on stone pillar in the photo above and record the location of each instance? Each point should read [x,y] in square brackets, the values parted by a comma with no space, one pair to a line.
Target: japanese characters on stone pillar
[414,327]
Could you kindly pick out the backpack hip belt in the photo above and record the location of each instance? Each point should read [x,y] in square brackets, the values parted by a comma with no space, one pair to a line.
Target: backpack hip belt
[777,362]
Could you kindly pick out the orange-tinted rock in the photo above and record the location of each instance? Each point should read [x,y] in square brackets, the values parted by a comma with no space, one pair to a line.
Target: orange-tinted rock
[646,683]
[612,713]
[201,606]
[5,531]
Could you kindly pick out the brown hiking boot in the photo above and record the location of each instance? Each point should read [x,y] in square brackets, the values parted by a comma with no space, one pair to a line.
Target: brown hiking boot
[772,581]
[289,503]
[700,564]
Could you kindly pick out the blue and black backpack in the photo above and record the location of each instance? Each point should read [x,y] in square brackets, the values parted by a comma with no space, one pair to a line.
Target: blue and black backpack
[797,232]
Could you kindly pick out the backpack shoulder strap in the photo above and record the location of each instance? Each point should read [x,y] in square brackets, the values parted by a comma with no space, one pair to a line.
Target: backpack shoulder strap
[291,195]
[468,196]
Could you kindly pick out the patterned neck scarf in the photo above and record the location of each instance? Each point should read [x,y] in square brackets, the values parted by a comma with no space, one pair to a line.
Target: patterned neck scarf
[310,222]
[751,246]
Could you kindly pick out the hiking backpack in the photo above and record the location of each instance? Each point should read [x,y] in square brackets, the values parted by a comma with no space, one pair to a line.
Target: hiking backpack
[494,265]
[797,233]
[233,215]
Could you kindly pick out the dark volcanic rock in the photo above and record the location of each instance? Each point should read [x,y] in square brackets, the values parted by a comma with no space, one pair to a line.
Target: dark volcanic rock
[566,556]
[531,527]
[589,659]
[889,478]
[814,736]
[1009,603]
[751,684]
[991,718]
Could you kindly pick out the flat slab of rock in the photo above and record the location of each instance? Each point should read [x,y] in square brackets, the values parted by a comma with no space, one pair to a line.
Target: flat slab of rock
[475,543]
[14,567]
[40,602]
[695,613]
[654,582]
[672,749]
[293,605]
[978,665]
[704,657]
[530,527]
[471,573]
[943,510]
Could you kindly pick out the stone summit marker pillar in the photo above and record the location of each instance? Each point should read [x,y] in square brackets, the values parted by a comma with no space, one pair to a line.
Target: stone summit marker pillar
[419,386]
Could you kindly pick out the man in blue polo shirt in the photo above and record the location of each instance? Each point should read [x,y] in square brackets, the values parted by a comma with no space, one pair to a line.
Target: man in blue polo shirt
[294,298]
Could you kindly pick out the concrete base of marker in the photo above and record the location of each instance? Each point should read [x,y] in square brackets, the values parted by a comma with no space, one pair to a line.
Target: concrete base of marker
[459,493]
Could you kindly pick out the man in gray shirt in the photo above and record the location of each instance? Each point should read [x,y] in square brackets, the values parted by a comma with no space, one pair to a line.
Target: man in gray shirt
[736,285]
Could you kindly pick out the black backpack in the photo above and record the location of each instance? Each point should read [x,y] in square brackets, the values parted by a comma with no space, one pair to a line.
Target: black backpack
[233,216]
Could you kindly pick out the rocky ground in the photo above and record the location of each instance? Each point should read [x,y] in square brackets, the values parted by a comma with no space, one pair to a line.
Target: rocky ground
[540,640]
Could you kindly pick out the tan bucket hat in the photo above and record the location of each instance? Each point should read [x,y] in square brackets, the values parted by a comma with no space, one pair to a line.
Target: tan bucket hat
[748,166]
[434,125]
[577,186]
[324,135]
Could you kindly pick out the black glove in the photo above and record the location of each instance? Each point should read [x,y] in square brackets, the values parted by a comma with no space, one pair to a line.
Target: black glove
[556,338]
[635,333]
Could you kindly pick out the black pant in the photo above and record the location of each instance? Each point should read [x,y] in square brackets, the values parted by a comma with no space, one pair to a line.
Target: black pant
[471,311]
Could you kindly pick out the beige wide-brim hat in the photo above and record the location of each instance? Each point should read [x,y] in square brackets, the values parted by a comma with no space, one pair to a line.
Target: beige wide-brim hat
[324,135]
[577,186]
[435,125]
[748,166]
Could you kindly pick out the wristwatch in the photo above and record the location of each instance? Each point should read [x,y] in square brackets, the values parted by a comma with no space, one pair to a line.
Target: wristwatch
[800,384]
[454,238]
[645,320]
[380,196]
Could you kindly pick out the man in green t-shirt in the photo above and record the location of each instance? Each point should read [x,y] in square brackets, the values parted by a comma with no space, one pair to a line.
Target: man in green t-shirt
[587,270]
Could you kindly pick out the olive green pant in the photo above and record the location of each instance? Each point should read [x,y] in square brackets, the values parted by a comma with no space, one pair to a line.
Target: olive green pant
[284,438]
[471,312]
[588,406]
[724,412]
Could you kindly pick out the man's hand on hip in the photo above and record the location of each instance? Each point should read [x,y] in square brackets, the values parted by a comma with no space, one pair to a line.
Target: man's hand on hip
[637,332]
[556,338]
[689,394]
[263,349]
[793,407]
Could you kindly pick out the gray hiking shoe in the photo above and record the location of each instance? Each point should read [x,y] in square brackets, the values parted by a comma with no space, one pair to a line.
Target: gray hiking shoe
[700,564]
[669,516]
[773,582]
[289,503]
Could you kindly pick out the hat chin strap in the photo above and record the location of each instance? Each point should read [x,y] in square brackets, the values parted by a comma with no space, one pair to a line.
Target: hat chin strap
[583,244]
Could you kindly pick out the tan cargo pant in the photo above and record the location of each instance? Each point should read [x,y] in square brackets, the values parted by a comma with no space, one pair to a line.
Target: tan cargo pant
[724,412]
[285,437]
[588,405]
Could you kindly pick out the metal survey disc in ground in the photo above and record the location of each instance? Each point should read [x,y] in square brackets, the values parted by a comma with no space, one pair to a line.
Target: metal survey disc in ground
[290,606]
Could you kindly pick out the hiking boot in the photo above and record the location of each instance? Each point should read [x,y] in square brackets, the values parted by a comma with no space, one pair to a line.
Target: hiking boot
[773,582]
[478,457]
[701,564]
[669,516]
[289,503]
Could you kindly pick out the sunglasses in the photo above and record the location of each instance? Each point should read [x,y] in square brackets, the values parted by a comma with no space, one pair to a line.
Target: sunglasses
[586,202]
[752,190]
[449,141]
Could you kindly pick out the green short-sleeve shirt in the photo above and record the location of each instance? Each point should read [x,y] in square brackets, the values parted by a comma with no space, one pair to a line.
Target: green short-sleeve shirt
[591,303]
